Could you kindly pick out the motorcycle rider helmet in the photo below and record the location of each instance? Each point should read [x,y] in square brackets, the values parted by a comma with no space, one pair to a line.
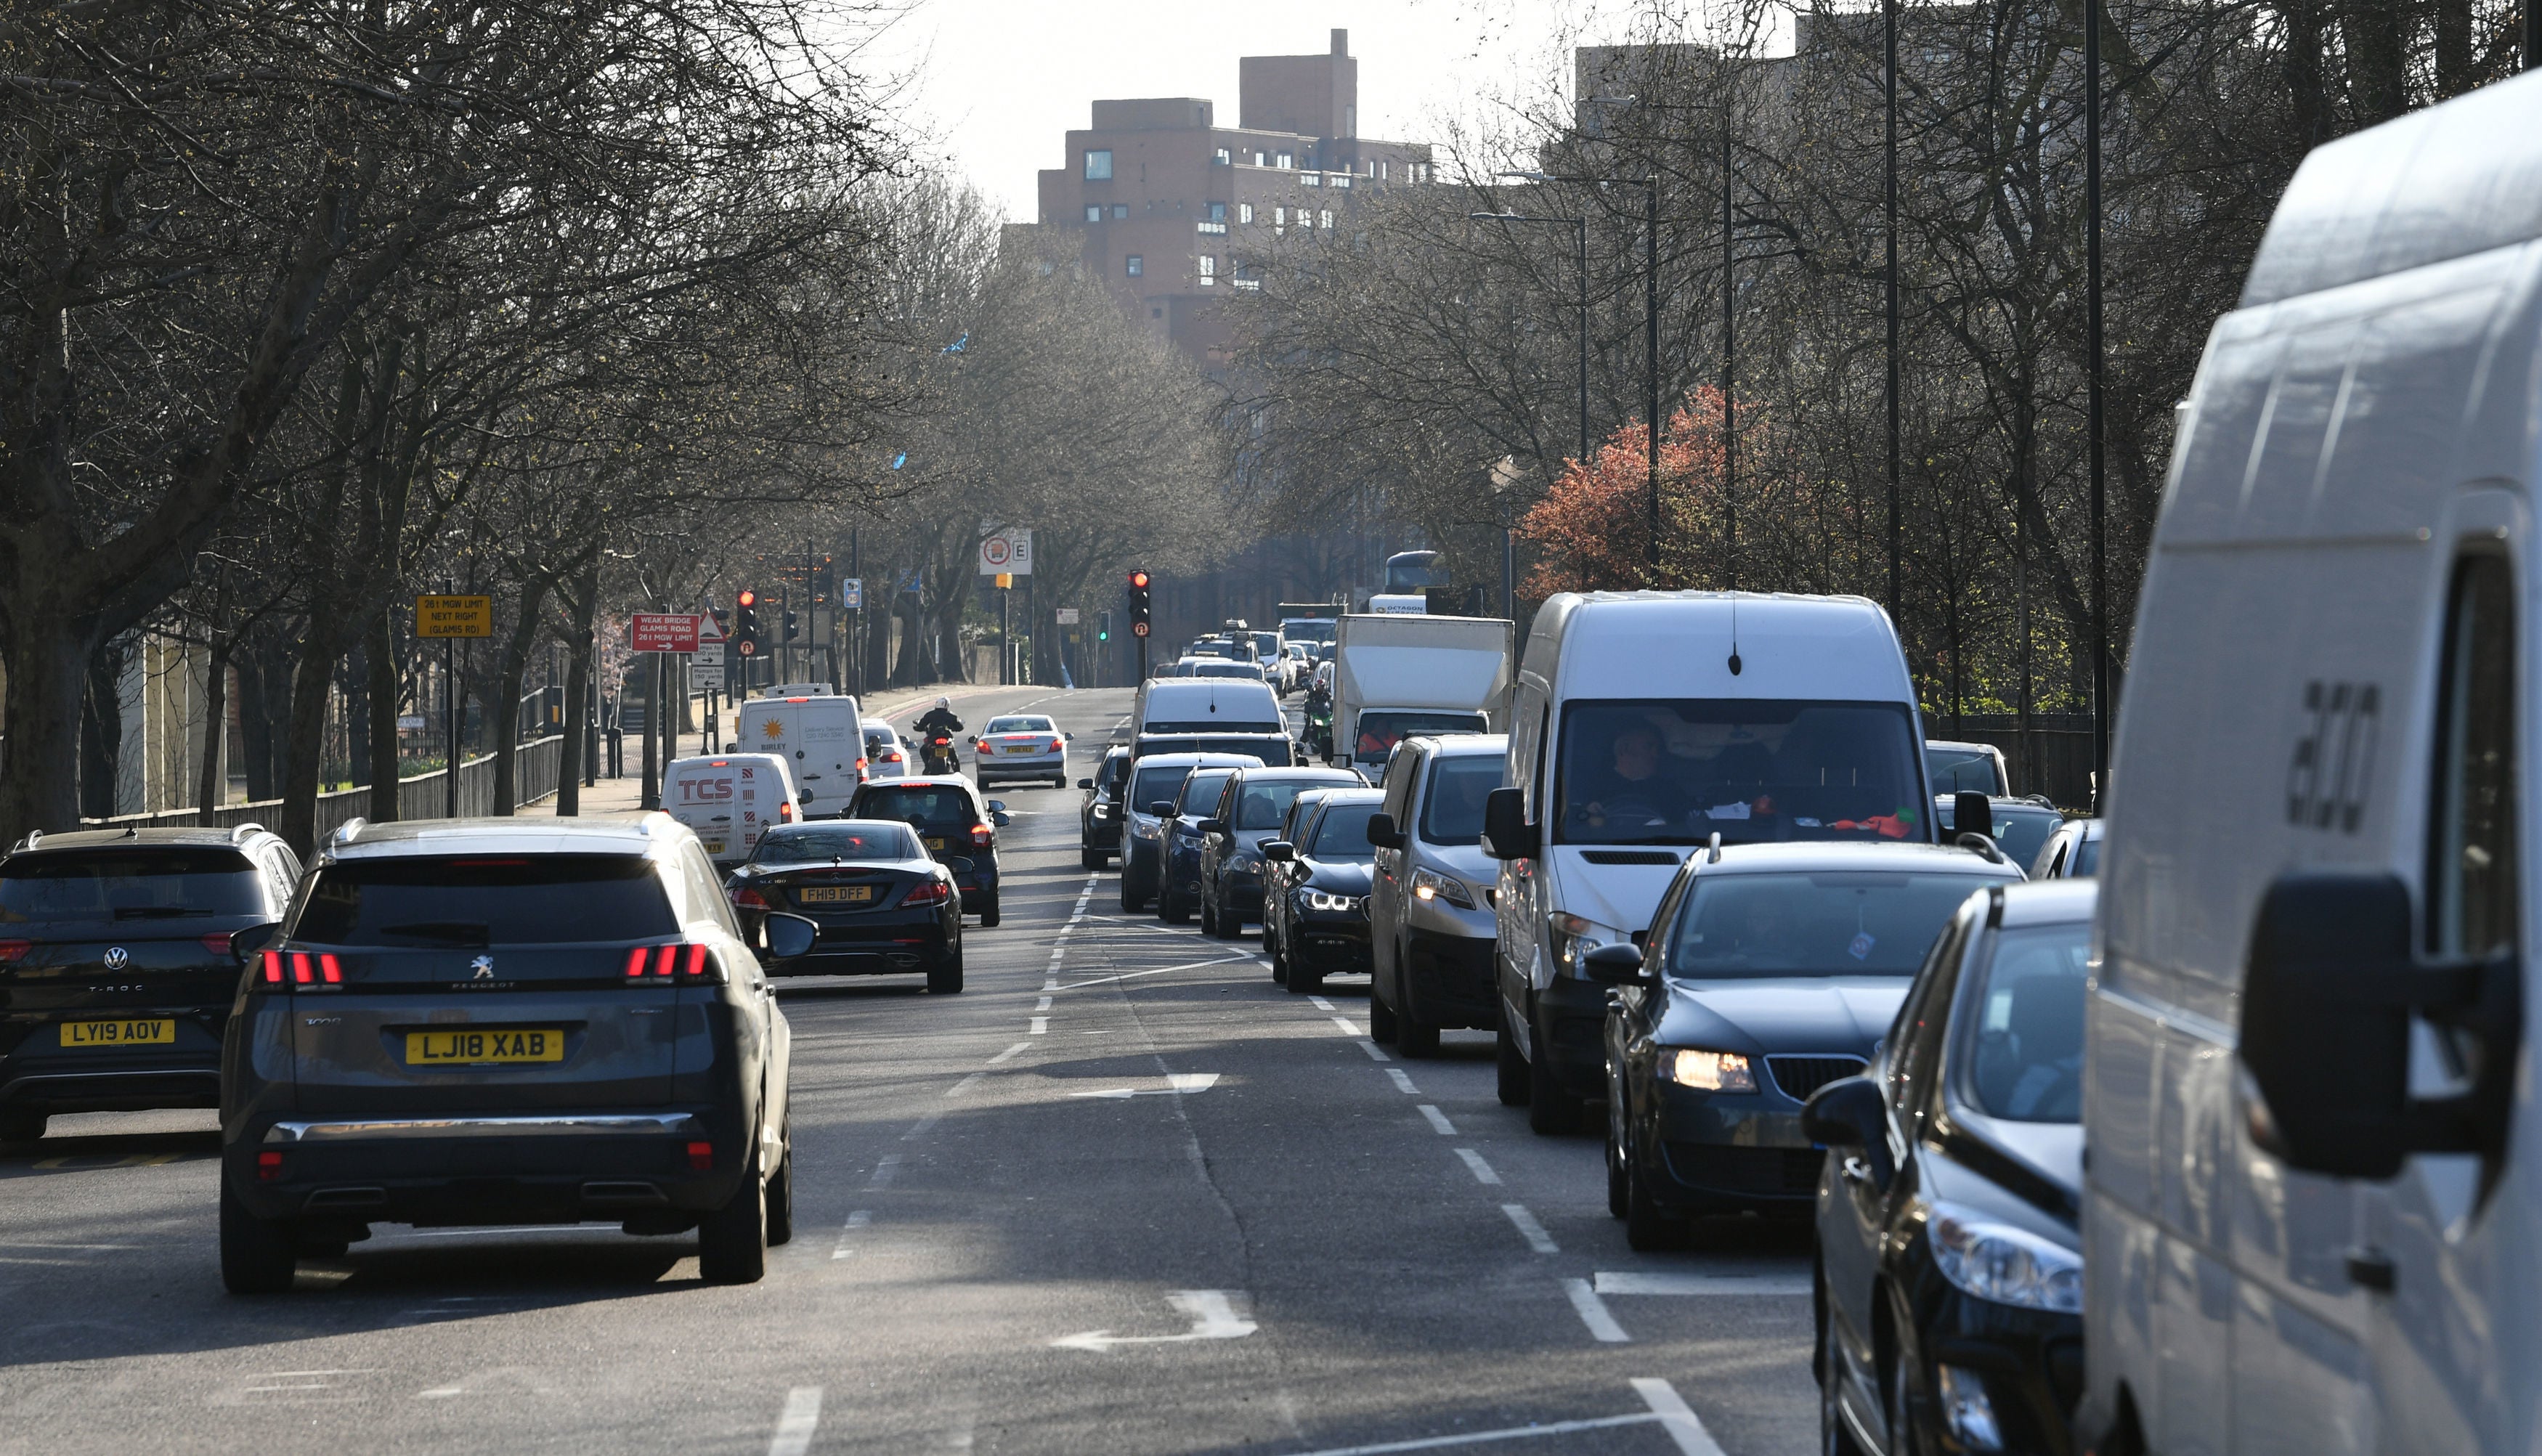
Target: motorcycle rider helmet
[944,702]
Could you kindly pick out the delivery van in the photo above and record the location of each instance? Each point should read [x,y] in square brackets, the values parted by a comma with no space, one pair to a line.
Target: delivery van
[1185,705]
[818,736]
[1400,677]
[1646,724]
[727,800]
[2313,1200]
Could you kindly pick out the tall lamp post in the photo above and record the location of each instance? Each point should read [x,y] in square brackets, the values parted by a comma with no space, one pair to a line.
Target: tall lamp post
[1650,186]
[1580,238]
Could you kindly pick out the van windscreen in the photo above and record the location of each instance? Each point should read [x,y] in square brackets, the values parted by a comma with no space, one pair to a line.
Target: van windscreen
[1680,771]
[485,900]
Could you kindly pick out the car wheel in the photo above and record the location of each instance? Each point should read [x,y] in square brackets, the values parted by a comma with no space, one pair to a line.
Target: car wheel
[256,1257]
[989,913]
[1648,1227]
[781,1196]
[1091,859]
[945,977]
[1417,1038]
[1231,922]
[1550,1109]
[1835,1438]
[1381,1025]
[1618,1179]
[1512,1082]
[1208,915]
[732,1241]
[1131,900]
[1058,781]
[1279,958]
[18,1124]
[1170,909]
[1303,981]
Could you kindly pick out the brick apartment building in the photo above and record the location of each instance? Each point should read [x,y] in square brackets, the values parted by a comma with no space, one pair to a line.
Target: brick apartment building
[1164,198]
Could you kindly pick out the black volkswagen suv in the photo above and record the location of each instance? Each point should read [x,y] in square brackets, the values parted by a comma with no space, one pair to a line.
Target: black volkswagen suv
[115,966]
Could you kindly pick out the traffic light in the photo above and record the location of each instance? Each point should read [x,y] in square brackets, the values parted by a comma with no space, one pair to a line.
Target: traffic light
[1104,629]
[790,619]
[745,622]
[1138,604]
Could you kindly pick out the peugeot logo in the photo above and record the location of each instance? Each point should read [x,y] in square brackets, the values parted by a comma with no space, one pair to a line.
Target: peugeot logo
[483,966]
[118,958]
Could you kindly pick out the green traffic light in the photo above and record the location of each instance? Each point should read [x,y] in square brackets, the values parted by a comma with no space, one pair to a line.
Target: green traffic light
[1102,637]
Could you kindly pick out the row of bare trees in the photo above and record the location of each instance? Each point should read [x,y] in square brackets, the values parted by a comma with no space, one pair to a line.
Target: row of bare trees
[1405,360]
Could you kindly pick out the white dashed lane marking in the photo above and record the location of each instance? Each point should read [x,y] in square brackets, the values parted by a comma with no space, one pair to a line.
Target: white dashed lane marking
[1475,1165]
[1593,1313]
[1533,1231]
[1439,1120]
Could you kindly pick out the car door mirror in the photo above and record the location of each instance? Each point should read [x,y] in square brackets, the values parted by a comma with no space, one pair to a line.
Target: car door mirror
[970,738]
[1382,833]
[1851,1114]
[2326,1000]
[1279,851]
[1068,737]
[247,942]
[1970,814]
[1213,827]
[1505,833]
[1086,783]
[785,937]
[1614,965]
[1161,809]
[1000,818]
[997,805]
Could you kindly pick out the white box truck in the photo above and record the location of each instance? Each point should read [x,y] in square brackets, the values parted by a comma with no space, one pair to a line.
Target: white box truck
[1398,675]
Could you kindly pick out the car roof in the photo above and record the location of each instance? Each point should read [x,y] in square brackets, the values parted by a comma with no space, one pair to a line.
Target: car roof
[1300,772]
[644,835]
[919,780]
[711,760]
[1465,745]
[137,838]
[1195,760]
[1803,858]
[1345,794]
[2048,902]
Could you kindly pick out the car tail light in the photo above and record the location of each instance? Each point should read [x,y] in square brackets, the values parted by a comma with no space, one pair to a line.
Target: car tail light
[268,1167]
[745,897]
[861,765]
[980,833]
[218,945]
[658,964]
[702,1156]
[274,968]
[1055,746]
[14,951]
[302,972]
[933,892]
[895,757]
[784,814]
[331,970]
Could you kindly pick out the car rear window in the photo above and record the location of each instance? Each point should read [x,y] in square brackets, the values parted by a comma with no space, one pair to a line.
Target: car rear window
[1018,725]
[824,842]
[932,805]
[485,900]
[127,885]
[1158,785]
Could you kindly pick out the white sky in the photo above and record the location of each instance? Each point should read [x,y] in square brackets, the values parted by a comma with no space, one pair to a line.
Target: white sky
[993,84]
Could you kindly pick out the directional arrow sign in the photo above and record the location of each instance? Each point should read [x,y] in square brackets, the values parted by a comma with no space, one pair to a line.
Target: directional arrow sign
[1182,1082]
[1212,1313]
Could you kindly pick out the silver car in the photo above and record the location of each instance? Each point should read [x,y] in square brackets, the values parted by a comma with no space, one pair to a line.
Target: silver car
[506,1021]
[1430,902]
[886,756]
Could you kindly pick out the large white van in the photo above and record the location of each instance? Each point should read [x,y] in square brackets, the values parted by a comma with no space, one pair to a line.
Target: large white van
[2313,1216]
[729,800]
[1189,706]
[820,739]
[1644,724]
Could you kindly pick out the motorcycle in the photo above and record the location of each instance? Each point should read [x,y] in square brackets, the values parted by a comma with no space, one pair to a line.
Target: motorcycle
[1319,726]
[936,753]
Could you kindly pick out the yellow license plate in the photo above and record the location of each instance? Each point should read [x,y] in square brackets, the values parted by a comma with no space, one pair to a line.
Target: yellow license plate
[835,894]
[1024,747]
[119,1033]
[935,843]
[472,1048]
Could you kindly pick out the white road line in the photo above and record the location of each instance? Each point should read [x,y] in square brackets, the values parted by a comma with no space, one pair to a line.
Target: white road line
[1320,1003]
[1439,1120]
[964,1085]
[1375,1051]
[1638,1283]
[1003,1055]
[1041,1005]
[1676,1417]
[1530,1231]
[1483,1173]
[1349,1027]
[1403,1081]
[1158,971]
[1478,1437]
[795,1426]
[884,1170]
[918,1129]
[1040,1024]
[855,1220]
[1593,1313]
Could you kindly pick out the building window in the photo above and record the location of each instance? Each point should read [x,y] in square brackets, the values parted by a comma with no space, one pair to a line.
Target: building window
[1134,264]
[1244,213]
[1258,160]
[1209,227]
[1279,219]
[1310,180]
[1342,180]
[1098,165]
[1207,271]
[1095,212]
[1287,160]
[1386,171]
[1223,159]
[1120,211]
[1324,219]
[1218,212]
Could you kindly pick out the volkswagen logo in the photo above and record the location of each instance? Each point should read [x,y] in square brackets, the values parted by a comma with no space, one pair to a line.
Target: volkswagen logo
[483,966]
[118,958]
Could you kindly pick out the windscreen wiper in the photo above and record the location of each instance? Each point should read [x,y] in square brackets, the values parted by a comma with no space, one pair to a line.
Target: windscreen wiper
[154,912]
[448,932]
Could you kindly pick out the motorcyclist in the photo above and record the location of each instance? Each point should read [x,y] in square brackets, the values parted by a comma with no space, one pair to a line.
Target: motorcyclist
[935,721]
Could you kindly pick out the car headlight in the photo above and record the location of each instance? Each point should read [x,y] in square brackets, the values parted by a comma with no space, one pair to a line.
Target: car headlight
[1569,939]
[1431,885]
[1317,900]
[1707,1071]
[1245,864]
[1147,830]
[1102,811]
[2003,1263]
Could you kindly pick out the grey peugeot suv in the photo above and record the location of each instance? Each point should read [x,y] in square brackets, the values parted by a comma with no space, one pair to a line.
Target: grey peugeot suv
[506,1021]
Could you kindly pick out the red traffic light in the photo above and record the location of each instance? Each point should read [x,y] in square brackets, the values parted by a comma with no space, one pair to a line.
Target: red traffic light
[1139,581]
[746,598]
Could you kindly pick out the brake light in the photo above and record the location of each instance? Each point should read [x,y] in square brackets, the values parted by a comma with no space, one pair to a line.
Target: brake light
[636,959]
[301,974]
[980,833]
[331,970]
[895,757]
[1055,746]
[702,1156]
[745,897]
[656,964]
[861,765]
[268,1167]
[14,951]
[218,945]
[933,892]
[784,814]
[274,968]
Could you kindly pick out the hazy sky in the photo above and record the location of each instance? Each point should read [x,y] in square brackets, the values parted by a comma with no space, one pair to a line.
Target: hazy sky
[996,83]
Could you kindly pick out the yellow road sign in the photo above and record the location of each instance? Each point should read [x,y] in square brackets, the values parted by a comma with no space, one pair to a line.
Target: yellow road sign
[454,616]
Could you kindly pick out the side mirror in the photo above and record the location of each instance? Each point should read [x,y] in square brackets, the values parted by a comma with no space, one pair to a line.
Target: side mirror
[1068,737]
[2326,1000]
[1505,833]
[1970,814]
[997,805]
[970,738]
[1086,783]
[1614,964]
[1000,818]
[785,937]
[1212,827]
[1162,809]
[1382,833]
[247,942]
[1279,851]
[1847,1114]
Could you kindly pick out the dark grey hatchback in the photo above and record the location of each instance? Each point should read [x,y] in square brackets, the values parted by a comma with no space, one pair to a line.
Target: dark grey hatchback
[508,1021]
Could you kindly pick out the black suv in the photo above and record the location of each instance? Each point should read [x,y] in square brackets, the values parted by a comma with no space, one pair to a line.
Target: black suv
[1098,817]
[958,827]
[117,970]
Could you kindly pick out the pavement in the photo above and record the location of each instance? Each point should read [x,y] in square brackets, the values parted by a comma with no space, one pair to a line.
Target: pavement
[1124,1195]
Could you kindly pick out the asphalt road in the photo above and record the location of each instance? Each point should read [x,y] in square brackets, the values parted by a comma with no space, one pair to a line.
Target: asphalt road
[1123,1195]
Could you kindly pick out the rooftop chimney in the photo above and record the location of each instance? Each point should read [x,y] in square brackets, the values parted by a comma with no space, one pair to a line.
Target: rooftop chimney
[1341,43]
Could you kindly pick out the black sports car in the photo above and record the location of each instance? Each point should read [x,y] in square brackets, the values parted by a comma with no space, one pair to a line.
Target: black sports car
[885,906]
[1316,893]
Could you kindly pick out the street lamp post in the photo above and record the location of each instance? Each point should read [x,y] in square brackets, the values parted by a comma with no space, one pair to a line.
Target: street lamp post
[1580,238]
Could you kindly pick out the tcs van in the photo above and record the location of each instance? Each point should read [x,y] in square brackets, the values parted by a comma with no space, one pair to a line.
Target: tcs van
[2313,1216]
[1645,724]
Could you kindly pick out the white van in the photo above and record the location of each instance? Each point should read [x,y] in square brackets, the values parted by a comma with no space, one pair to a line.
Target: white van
[820,739]
[727,800]
[1188,706]
[1644,724]
[2314,1191]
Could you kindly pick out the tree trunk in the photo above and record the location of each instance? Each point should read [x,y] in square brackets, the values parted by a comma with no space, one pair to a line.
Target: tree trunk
[304,742]
[514,667]
[582,602]
[101,732]
[49,658]
[386,688]
[213,787]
